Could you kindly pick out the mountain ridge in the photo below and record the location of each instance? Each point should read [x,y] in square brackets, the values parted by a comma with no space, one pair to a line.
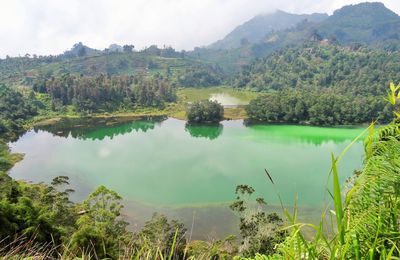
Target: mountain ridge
[370,24]
[257,27]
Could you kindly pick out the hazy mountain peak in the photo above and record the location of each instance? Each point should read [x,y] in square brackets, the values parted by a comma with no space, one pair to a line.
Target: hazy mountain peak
[364,22]
[255,29]
[364,9]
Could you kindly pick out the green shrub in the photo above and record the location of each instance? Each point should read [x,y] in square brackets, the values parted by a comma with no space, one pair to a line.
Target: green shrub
[205,111]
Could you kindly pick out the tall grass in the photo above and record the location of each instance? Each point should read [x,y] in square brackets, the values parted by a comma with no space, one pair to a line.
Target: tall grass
[23,248]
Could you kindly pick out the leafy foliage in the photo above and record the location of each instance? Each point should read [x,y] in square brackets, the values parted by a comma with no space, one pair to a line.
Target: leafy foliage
[100,227]
[167,236]
[201,76]
[321,84]
[37,212]
[317,107]
[220,249]
[260,231]
[15,108]
[101,93]
[360,71]
[205,111]
[114,61]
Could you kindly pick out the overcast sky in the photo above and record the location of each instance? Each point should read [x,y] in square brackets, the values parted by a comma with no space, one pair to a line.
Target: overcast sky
[52,26]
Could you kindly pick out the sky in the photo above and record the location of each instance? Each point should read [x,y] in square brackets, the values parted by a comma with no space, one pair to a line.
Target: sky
[52,26]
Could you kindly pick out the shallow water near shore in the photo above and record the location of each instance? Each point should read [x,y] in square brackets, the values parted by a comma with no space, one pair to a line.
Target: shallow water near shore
[188,172]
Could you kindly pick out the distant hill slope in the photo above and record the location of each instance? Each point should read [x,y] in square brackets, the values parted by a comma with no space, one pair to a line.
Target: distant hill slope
[363,23]
[255,29]
[182,70]
[361,71]
[371,24]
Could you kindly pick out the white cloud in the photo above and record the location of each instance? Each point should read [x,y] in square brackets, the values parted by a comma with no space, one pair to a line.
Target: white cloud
[52,26]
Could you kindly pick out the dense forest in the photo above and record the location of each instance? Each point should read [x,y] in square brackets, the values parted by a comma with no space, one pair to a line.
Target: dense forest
[346,70]
[81,60]
[321,84]
[102,93]
[318,107]
[201,76]
[15,110]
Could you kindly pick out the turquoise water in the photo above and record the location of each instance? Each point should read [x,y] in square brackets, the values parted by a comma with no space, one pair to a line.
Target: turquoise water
[160,164]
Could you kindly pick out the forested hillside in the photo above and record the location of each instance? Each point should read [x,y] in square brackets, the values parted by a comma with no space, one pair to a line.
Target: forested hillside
[356,71]
[15,110]
[318,107]
[369,24]
[321,84]
[256,28]
[101,93]
[166,62]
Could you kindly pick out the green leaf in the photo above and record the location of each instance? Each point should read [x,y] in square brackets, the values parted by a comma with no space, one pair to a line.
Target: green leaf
[337,198]
[391,98]
[392,87]
[171,252]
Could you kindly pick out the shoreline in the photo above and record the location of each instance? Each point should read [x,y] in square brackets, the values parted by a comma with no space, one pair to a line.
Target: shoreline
[233,114]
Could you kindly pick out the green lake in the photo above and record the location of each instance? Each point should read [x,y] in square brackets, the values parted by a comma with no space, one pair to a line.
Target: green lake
[188,172]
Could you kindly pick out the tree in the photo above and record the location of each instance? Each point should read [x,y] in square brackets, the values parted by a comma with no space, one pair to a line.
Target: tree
[102,93]
[260,232]
[15,108]
[161,233]
[100,228]
[36,213]
[317,107]
[81,51]
[201,76]
[128,48]
[205,111]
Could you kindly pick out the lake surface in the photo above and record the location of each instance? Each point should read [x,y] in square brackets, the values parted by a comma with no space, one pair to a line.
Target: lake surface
[188,172]
[227,100]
